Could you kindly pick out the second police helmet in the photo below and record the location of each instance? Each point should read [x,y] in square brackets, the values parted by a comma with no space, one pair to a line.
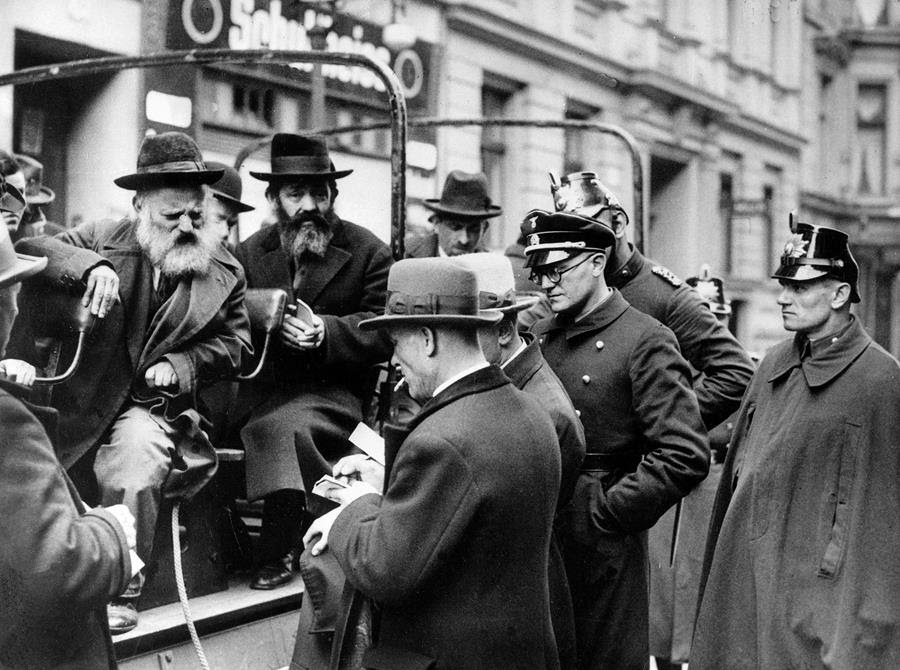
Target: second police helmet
[582,220]
[813,252]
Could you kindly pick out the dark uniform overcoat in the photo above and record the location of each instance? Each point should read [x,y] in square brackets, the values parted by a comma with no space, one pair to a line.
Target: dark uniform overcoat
[529,372]
[202,330]
[307,403]
[646,448]
[705,342]
[455,552]
[59,566]
[801,567]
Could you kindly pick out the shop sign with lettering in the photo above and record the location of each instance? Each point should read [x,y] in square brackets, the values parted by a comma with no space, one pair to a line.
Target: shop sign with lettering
[283,24]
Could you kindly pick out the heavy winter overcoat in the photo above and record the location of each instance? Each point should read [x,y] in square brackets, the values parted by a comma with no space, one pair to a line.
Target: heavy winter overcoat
[801,567]
[455,552]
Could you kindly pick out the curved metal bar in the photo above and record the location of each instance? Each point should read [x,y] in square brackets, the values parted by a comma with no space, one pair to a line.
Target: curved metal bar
[76,360]
[260,363]
[396,100]
[641,231]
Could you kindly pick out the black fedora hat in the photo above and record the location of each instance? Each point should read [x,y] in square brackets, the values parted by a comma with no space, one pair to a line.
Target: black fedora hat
[166,158]
[464,195]
[229,188]
[35,191]
[432,292]
[300,156]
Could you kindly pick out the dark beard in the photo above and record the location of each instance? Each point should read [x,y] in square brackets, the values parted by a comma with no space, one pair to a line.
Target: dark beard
[306,232]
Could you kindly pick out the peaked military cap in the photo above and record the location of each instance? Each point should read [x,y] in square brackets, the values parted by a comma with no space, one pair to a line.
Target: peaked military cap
[168,158]
[813,252]
[431,292]
[554,236]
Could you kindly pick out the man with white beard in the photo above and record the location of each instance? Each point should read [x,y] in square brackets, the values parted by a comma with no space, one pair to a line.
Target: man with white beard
[310,396]
[171,300]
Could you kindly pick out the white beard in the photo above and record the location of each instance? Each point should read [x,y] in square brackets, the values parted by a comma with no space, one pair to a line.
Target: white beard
[172,256]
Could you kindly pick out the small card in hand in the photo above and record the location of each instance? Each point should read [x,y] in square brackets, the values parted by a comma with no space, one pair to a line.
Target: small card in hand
[302,311]
[327,484]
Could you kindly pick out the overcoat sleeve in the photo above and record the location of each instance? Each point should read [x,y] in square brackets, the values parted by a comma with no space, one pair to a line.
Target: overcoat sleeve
[70,255]
[675,445]
[52,556]
[389,546]
[347,346]
[709,346]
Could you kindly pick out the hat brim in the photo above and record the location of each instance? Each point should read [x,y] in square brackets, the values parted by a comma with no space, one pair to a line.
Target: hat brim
[25,266]
[45,196]
[241,207]
[522,302]
[797,272]
[435,205]
[270,176]
[483,318]
[138,180]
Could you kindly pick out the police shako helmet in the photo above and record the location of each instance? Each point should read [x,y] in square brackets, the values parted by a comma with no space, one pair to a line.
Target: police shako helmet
[813,252]
[583,193]
[712,290]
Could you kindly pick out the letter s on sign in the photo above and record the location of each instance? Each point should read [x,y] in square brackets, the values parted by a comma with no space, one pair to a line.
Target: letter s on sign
[188,21]
[242,18]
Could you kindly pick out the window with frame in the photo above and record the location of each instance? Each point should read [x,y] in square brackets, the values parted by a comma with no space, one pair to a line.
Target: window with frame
[871,137]
[578,141]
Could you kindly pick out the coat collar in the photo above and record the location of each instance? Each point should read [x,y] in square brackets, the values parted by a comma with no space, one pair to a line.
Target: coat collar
[479,381]
[828,362]
[523,367]
[610,310]
[629,271]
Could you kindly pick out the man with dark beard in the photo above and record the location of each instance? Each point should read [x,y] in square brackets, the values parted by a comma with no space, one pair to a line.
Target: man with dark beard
[310,397]
[172,304]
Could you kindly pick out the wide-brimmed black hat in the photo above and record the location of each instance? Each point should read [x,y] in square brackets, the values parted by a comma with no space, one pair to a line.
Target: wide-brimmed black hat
[813,252]
[35,191]
[712,290]
[431,292]
[300,156]
[13,266]
[554,236]
[168,158]
[229,188]
[496,282]
[465,195]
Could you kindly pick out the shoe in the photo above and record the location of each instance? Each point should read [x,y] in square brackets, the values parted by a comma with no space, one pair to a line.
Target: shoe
[271,576]
[122,616]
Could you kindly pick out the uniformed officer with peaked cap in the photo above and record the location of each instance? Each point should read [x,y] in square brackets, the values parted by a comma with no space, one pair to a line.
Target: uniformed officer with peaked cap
[646,444]
[705,342]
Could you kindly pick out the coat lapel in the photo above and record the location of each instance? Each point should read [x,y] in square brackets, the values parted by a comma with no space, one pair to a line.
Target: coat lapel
[273,269]
[193,305]
[322,271]
[135,285]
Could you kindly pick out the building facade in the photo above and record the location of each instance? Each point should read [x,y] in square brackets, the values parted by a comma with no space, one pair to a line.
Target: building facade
[744,110]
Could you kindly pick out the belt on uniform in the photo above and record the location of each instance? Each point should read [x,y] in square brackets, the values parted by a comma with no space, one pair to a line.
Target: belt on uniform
[623,460]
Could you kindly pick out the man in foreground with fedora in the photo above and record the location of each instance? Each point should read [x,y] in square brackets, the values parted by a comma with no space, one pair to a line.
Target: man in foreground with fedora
[801,560]
[170,298]
[59,564]
[455,550]
[223,203]
[309,398]
[646,444]
[461,217]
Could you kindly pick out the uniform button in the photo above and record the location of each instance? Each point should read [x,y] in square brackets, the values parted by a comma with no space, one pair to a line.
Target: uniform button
[586,379]
[600,344]
[541,341]
[578,413]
